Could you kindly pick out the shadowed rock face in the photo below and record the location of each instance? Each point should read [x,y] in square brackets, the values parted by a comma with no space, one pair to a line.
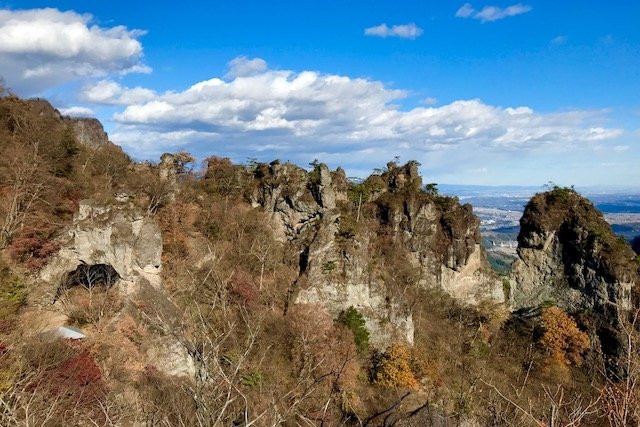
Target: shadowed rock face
[339,233]
[568,255]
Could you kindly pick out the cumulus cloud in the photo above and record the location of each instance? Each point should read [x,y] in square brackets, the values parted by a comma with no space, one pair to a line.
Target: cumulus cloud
[243,67]
[111,93]
[406,31]
[283,111]
[42,48]
[491,13]
[76,111]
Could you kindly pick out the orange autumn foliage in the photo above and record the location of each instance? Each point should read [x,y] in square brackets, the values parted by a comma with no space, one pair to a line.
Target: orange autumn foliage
[393,368]
[563,340]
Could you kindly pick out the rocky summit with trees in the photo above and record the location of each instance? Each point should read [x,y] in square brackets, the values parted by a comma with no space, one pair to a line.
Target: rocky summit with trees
[168,294]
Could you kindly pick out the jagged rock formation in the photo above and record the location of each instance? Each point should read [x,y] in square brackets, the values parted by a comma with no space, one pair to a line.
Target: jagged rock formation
[340,242]
[115,236]
[442,237]
[569,256]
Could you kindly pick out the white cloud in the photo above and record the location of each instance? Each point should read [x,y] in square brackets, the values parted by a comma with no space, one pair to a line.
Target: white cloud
[110,92]
[42,48]
[406,31]
[491,13]
[289,112]
[76,111]
[243,67]
[465,11]
[429,101]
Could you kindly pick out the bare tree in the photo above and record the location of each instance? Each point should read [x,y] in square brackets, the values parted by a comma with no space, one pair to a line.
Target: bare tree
[560,411]
[620,396]
[23,187]
[262,250]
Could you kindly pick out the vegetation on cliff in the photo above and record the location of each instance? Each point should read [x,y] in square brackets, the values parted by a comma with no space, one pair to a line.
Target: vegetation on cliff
[253,356]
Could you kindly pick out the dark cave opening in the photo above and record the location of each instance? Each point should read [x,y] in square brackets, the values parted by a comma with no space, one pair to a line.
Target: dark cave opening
[91,275]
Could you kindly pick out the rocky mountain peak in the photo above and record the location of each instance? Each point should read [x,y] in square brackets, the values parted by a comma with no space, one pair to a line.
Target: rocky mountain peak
[356,239]
[561,227]
[404,177]
[569,256]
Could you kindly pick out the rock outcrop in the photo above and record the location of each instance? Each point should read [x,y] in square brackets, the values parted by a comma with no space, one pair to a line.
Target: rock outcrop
[442,237]
[355,241]
[568,255]
[116,236]
[89,132]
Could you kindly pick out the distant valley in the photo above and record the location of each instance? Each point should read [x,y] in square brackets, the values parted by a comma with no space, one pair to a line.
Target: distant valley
[500,209]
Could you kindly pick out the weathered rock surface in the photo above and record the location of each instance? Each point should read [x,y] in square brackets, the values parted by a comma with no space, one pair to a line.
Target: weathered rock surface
[120,237]
[89,132]
[568,255]
[339,242]
[338,276]
[117,236]
[442,237]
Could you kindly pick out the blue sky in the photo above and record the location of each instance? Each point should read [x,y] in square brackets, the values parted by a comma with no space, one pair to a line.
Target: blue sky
[480,93]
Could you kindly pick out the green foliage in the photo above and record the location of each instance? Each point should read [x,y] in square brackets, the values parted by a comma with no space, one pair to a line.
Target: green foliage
[63,154]
[348,227]
[444,203]
[13,293]
[328,267]
[252,164]
[560,193]
[431,189]
[354,321]
[480,349]
[209,227]
[500,264]
[547,304]
[506,288]
[252,379]
[360,193]
[314,174]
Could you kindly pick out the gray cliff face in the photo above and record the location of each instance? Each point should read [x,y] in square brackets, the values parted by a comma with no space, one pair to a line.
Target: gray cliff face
[442,237]
[568,255]
[284,193]
[89,132]
[339,242]
[117,236]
